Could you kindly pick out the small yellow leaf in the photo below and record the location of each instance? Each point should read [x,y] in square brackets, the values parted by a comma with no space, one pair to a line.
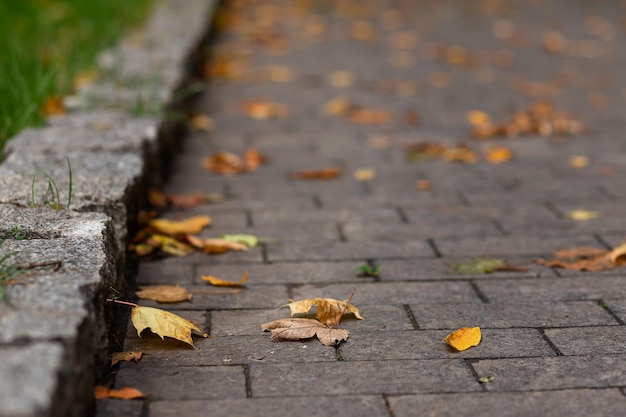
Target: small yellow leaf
[464,338]
[191,225]
[582,215]
[126,393]
[618,254]
[364,174]
[216,245]
[498,155]
[225,163]
[478,118]
[579,161]
[341,78]
[201,122]
[164,293]
[224,283]
[167,244]
[163,323]
[126,356]
[423,185]
[337,106]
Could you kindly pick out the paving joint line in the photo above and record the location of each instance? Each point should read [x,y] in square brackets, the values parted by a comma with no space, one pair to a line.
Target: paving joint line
[546,339]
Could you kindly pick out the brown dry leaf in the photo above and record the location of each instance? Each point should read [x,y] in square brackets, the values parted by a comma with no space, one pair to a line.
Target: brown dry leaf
[464,338]
[225,163]
[586,258]
[165,243]
[460,153]
[126,393]
[254,158]
[412,117]
[365,174]
[133,355]
[362,30]
[214,245]
[498,154]
[157,198]
[329,311]
[201,122]
[337,106]
[423,185]
[424,151]
[224,283]
[53,106]
[192,225]
[318,174]
[163,323]
[164,293]
[369,116]
[262,109]
[297,329]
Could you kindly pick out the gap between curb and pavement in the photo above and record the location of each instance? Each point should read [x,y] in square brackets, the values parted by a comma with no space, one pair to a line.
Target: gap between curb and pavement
[54,342]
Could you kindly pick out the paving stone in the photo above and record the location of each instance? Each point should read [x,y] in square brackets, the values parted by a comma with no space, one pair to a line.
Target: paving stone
[160,273]
[589,340]
[351,405]
[527,374]
[392,293]
[207,297]
[511,314]
[285,217]
[115,408]
[526,245]
[248,322]
[590,287]
[429,344]
[185,382]
[361,377]
[579,402]
[618,307]
[28,378]
[357,250]
[425,228]
[253,255]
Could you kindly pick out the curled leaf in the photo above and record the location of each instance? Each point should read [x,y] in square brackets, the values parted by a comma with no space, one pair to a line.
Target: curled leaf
[213,245]
[225,163]
[328,310]
[164,293]
[191,225]
[224,283]
[249,240]
[464,338]
[299,328]
[163,323]
[128,356]
[318,174]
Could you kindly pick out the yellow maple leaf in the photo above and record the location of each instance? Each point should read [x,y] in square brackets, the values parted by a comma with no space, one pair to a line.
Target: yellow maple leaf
[164,293]
[328,310]
[224,283]
[191,225]
[163,323]
[464,338]
[299,328]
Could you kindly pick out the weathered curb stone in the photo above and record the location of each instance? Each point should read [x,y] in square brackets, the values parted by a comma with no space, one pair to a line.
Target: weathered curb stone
[54,339]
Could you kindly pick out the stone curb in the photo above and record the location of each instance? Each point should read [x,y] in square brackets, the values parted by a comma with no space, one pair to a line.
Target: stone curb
[54,339]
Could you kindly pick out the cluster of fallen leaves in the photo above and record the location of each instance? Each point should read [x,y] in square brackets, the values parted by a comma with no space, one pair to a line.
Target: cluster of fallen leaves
[228,163]
[585,258]
[342,107]
[461,153]
[541,118]
[328,314]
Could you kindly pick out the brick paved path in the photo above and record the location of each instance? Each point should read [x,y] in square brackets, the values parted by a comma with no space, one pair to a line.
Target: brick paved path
[554,340]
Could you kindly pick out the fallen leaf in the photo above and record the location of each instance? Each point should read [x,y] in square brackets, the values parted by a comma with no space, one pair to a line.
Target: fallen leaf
[191,225]
[464,338]
[369,116]
[192,199]
[224,283]
[362,30]
[412,117]
[328,310]
[478,118]
[478,266]
[225,163]
[423,185]
[318,174]
[586,258]
[460,153]
[486,379]
[337,106]
[262,109]
[133,355]
[157,198]
[164,293]
[579,161]
[163,323]
[253,159]
[279,73]
[583,215]
[424,151]
[249,240]
[298,328]
[53,106]
[341,78]
[213,245]
[378,142]
[498,154]
[201,122]
[618,254]
[168,245]
[126,393]
[365,174]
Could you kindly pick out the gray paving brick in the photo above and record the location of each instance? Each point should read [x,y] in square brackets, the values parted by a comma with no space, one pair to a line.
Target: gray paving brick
[392,292]
[287,217]
[351,405]
[185,383]
[524,245]
[361,377]
[590,287]
[114,408]
[429,344]
[527,374]
[423,228]
[589,340]
[511,314]
[153,273]
[566,403]
[618,307]
[248,322]
[357,250]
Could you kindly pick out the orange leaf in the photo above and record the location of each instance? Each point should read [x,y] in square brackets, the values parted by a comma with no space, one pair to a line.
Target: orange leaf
[201,122]
[224,283]
[190,225]
[262,109]
[464,338]
[423,185]
[126,393]
[253,159]
[369,116]
[126,356]
[53,106]
[498,155]
[225,163]
[318,174]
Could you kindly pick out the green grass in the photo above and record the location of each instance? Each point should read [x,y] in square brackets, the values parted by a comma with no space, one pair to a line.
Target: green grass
[44,44]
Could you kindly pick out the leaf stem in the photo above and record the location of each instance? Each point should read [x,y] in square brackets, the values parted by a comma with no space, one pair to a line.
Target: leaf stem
[126,303]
